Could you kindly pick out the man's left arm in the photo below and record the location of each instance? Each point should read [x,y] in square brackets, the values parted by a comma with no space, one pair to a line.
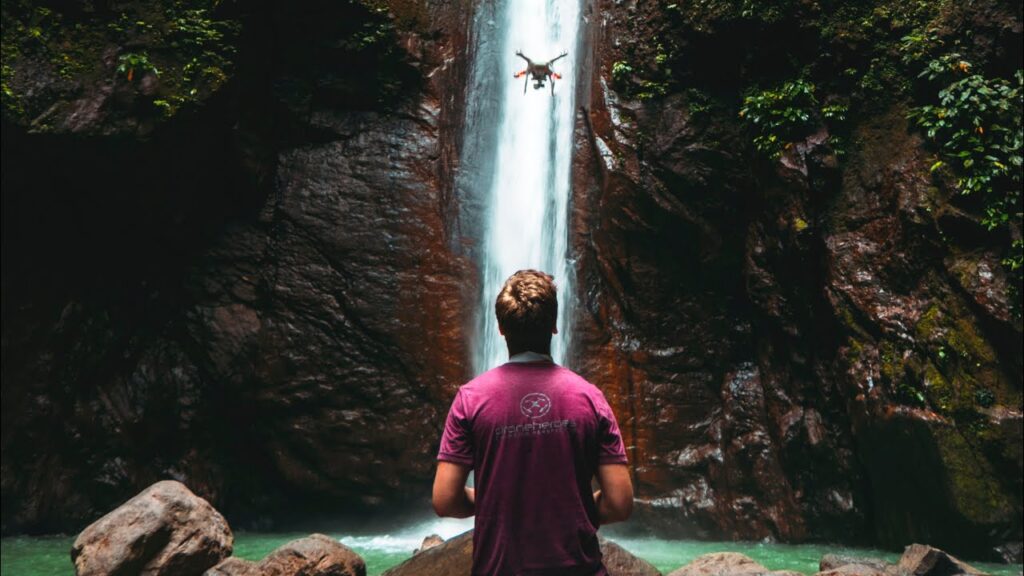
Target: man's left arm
[451,496]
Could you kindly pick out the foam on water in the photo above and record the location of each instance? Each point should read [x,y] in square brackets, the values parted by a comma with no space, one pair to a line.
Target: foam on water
[409,538]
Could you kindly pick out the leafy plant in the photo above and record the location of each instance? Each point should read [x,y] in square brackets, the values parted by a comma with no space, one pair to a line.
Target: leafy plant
[621,71]
[977,124]
[780,115]
[131,62]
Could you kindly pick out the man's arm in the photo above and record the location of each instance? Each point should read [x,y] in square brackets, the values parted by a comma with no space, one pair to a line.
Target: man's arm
[451,497]
[615,498]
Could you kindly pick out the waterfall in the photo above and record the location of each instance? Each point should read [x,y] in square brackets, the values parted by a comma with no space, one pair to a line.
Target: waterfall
[525,171]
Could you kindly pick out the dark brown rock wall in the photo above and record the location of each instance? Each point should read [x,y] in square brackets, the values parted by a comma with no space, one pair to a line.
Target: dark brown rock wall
[761,326]
[239,296]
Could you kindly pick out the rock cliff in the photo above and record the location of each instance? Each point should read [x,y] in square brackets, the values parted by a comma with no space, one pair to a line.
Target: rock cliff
[241,278]
[806,324]
[235,254]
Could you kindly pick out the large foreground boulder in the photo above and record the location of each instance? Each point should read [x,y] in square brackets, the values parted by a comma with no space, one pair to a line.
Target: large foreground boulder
[455,558]
[315,555]
[164,530]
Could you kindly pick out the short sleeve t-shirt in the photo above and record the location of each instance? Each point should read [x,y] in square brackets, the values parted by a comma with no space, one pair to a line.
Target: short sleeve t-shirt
[534,433]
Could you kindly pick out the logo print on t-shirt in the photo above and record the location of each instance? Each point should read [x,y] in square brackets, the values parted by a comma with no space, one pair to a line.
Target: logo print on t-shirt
[535,405]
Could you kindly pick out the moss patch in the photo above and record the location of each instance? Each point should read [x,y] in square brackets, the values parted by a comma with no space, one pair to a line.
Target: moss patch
[183,45]
[973,487]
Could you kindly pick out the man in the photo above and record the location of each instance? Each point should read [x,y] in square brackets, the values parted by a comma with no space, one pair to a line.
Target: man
[537,435]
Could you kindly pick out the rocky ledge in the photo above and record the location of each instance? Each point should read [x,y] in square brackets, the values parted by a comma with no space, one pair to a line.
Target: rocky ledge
[168,530]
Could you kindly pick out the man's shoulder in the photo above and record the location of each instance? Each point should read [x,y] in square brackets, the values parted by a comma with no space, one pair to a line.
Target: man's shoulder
[484,379]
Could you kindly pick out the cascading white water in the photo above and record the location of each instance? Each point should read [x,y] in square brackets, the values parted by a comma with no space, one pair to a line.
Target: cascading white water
[526,218]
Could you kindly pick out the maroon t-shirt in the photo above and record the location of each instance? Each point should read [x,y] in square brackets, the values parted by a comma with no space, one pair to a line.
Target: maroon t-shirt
[534,433]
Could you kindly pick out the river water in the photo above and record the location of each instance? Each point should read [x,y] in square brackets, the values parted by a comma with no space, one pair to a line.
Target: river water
[383,548]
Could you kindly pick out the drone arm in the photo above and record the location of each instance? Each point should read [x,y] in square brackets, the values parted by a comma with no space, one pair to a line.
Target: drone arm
[556,58]
[528,61]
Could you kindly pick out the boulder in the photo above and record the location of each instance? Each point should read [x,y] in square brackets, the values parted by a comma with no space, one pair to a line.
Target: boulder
[455,558]
[429,542]
[924,560]
[314,555]
[854,570]
[620,562]
[234,567]
[452,558]
[165,529]
[833,561]
[1011,552]
[720,563]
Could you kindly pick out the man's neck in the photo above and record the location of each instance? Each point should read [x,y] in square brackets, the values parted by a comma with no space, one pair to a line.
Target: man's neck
[545,350]
[529,356]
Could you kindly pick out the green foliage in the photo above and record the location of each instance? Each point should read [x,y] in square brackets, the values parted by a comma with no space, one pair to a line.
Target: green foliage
[205,44]
[645,69]
[132,63]
[621,72]
[182,41]
[706,15]
[699,102]
[976,125]
[785,114]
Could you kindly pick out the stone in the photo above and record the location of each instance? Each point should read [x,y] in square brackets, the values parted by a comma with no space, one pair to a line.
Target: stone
[314,555]
[454,557]
[429,542]
[164,530]
[854,570]
[720,564]
[924,560]
[1011,552]
[620,562]
[833,561]
[234,567]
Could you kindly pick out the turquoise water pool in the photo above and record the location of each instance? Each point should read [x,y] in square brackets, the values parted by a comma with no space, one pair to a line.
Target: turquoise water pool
[49,555]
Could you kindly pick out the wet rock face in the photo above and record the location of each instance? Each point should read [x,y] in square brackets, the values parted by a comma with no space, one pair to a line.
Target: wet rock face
[273,312]
[777,336]
[696,323]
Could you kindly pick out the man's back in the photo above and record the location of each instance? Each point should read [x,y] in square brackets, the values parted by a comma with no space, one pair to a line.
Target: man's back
[535,434]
